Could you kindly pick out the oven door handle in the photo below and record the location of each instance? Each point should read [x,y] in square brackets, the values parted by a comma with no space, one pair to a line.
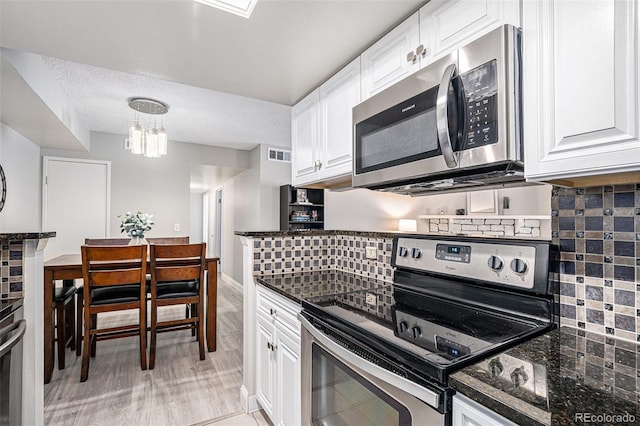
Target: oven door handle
[369,368]
[442,117]
[20,326]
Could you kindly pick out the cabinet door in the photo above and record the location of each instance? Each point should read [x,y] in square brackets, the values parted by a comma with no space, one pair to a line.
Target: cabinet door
[304,139]
[265,365]
[448,24]
[338,96]
[386,62]
[467,412]
[580,88]
[288,379]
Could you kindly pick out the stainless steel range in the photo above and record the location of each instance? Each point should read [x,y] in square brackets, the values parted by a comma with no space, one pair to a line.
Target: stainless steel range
[383,355]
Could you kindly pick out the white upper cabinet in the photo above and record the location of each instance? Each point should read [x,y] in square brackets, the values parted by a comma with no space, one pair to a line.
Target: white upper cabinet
[580,86]
[448,24]
[321,138]
[304,139]
[338,96]
[392,58]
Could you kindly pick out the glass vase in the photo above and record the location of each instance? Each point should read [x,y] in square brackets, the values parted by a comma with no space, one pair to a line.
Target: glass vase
[136,241]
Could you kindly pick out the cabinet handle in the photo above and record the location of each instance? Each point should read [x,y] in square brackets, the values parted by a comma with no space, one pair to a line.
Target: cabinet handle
[411,57]
[274,347]
[319,164]
[272,311]
[421,51]
[269,345]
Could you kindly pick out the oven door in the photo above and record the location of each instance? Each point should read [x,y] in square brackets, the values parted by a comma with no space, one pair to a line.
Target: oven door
[340,387]
[12,329]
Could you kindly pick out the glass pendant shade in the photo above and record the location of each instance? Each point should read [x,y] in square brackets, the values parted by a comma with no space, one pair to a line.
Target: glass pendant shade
[162,141]
[151,143]
[135,137]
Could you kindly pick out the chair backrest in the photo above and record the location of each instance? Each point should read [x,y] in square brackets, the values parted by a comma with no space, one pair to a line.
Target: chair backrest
[177,262]
[114,265]
[106,241]
[168,240]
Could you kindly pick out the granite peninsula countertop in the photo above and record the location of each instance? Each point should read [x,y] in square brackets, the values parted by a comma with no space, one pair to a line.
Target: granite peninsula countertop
[4,236]
[575,374]
[303,285]
[319,232]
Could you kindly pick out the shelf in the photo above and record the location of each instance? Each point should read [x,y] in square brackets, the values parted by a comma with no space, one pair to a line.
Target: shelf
[305,205]
[482,216]
[306,221]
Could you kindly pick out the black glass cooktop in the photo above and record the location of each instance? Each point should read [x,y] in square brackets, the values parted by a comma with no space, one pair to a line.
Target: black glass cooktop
[433,335]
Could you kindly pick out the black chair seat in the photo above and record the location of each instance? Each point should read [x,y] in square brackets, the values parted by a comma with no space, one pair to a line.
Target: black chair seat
[177,289]
[63,293]
[117,294]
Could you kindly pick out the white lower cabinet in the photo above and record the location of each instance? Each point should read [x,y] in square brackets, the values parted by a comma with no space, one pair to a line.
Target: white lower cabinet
[467,412]
[278,386]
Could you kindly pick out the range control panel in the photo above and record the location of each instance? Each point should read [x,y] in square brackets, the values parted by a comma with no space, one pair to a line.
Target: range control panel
[505,264]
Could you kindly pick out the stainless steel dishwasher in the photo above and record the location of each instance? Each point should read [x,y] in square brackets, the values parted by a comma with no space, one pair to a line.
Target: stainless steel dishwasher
[12,328]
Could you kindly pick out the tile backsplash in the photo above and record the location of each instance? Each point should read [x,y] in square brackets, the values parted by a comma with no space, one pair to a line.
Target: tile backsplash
[598,232]
[281,255]
[11,269]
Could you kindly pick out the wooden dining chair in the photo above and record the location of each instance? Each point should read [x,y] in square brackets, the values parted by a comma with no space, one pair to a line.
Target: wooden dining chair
[80,288]
[114,280]
[168,240]
[177,278]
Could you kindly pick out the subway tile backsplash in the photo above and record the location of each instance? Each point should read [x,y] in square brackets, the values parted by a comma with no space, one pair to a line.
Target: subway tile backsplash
[598,232]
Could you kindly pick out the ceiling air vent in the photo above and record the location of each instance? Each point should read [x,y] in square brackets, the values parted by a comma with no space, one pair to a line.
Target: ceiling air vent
[279,155]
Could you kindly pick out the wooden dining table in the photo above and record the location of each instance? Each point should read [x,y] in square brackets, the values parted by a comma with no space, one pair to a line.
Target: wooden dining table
[68,267]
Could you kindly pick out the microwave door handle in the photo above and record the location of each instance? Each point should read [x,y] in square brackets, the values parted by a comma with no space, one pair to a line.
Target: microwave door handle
[442,117]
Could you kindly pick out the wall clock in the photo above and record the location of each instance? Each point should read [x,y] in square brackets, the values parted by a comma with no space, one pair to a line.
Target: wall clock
[3,188]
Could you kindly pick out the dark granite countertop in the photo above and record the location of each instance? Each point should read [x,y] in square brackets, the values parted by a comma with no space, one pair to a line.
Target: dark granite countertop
[303,285]
[319,232]
[12,236]
[8,305]
[575,374]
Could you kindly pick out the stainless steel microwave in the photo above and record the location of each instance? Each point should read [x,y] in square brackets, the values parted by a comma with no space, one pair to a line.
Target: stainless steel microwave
[453,125]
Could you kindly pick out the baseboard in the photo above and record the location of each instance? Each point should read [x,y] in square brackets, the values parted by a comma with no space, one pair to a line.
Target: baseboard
[249,403]
[231,281]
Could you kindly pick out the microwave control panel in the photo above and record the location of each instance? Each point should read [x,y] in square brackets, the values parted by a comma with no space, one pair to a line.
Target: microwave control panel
[481,97]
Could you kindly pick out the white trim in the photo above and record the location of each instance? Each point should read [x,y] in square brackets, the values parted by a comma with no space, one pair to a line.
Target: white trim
[249,403]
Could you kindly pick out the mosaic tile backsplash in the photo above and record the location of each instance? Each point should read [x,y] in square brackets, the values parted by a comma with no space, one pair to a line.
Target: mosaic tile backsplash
[281,255]
[11,269]
[598,232]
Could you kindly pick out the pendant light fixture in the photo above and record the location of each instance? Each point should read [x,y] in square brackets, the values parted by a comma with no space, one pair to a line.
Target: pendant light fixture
[150,142]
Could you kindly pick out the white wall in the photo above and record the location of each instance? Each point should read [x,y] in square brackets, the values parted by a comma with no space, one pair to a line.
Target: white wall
[159,186]
[195,231]
[365,210]
[251,203]
[20,159]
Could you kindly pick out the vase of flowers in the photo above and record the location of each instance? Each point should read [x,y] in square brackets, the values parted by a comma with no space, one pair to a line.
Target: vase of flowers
[135,225]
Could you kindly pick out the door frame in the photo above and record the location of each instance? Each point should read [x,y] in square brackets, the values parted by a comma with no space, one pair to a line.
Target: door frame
[45,169]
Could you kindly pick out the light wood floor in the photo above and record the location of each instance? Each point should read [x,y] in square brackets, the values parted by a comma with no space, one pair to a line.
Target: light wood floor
[180,390]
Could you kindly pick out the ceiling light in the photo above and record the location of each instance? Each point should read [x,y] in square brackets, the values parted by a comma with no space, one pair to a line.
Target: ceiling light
[237,7]
[151,142]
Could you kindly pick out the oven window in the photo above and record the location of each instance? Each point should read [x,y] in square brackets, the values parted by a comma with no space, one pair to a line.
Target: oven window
[340,396]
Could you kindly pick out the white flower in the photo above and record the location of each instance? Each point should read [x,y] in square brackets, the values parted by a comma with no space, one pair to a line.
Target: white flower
[135,225]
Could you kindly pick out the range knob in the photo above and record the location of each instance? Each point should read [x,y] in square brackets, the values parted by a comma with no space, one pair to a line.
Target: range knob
[519,377]
[403,326]
[496,367]
[495,263]
[403,251]
[416,332]
[416,253]
[518,266]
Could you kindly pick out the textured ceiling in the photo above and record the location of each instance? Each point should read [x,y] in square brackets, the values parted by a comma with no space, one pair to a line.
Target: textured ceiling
[222,75]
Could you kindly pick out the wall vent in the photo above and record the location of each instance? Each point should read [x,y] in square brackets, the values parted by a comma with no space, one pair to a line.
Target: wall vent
[281,155]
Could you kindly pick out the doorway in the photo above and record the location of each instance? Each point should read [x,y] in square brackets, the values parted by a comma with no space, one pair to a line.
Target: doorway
[75,202]
[217,237]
